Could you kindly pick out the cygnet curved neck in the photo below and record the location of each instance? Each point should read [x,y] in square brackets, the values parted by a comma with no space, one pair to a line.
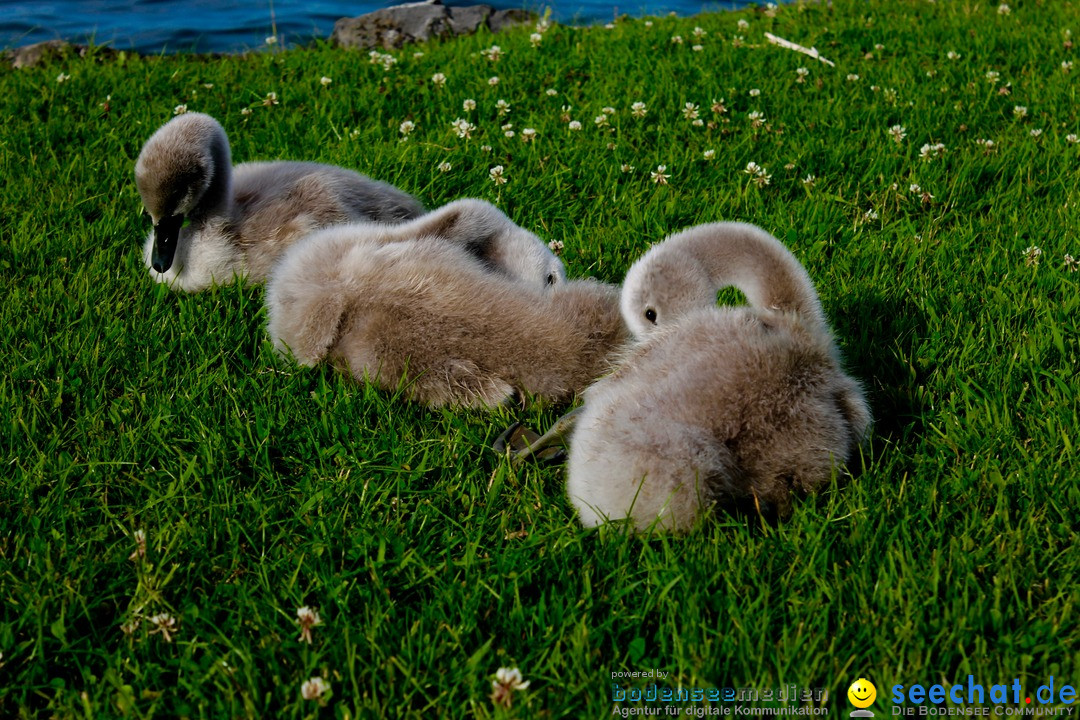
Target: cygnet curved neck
[217,200]
[748,258]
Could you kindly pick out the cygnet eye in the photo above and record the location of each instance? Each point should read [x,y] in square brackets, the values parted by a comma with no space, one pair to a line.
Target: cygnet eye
[650,315]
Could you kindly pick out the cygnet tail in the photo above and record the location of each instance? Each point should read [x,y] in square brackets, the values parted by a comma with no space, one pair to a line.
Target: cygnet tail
[746,257]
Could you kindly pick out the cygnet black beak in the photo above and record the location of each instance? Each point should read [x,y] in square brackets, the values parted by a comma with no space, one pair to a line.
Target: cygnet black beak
[166,234]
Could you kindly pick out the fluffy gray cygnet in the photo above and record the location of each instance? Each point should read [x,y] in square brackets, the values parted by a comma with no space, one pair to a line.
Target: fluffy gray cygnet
[432,316]
[213,221]
[711,403]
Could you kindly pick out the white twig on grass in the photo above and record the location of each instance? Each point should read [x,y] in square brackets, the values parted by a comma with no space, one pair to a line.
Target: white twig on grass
[812,52]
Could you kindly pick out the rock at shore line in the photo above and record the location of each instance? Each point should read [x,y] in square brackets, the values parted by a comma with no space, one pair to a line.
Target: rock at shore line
[39,52]
[393,27]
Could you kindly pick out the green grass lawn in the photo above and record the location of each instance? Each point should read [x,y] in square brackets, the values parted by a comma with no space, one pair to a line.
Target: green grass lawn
[262,487]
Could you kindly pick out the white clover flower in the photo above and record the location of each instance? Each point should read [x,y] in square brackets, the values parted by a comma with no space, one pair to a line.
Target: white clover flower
[1066,65]
[130,626]
[307,619]
[493,81]
[528,134]
[626,167]
[406,127]
[988,144]
[535,39]
[852,77]
[417,55]
[608,110]
[757,119]
[497,175]
[508,133]
[1071,263]
[179,110]
[690,111]
[1072,138]
[270,99]
[755,92]
[507,681]
[463,128]
[710,154]
[993,76]
[697,122]
[271,40]
[542,25]
[314,688]
[139,536]
[801,73]
[760,176]
[1020,111]
[245,111]
[1036,132]
[638,109]
[914,188]
[870,214]
[898,133]
[952,55]
[809,181]
[556,246]
[469,105]
[574,125]
[438,80]
[1032,255]
[648,23]
[386,60]
[493,53]
[1004,9]
[551,92]
[927,151]
[601,121]
[699,32]
[660,176]
[485,148]
[770,9]
[62,78]
[697,48]
[718,106]
[445,167]
[676,40]
[325,81]
[165,624]
[503,107]
[743,25]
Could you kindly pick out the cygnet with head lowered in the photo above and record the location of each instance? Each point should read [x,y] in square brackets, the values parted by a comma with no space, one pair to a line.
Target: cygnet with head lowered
[213,221]
[483,231]
[432,317]
[714,404]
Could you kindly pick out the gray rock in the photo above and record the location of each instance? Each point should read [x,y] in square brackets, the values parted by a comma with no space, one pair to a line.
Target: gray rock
[393,27]
[37,53]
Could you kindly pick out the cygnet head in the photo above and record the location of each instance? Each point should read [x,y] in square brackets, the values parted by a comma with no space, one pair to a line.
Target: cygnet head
[489,235]
[684,273]
[661,286]
[183,172]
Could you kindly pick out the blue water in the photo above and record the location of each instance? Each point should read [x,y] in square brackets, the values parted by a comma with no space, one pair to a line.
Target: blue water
[153,26]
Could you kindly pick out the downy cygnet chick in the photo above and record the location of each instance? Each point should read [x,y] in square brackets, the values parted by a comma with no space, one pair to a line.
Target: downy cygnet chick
[428,316]
[715,403]
[482,230]
[213,221]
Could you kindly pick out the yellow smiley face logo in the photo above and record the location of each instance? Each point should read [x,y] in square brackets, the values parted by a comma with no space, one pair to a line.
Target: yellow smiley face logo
[862,693]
